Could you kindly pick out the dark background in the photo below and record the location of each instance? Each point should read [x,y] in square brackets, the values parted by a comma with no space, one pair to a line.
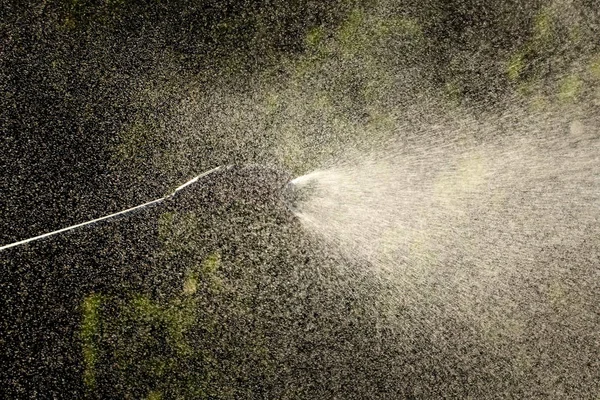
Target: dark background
[71,74]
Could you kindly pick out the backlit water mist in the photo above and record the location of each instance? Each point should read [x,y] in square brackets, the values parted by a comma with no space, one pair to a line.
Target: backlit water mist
[489,202]
[501,233]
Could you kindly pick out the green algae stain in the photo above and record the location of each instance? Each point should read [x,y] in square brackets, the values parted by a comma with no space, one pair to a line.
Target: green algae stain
[398,26]
[569,88]
[212,262]
[351,27]
[515,67]
[190,285]
[89,334]
[145,309]
[154,395]
[594,68]
[542,28]
[314,37]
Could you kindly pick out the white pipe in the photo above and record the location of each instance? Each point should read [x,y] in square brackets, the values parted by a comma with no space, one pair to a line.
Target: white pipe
[191,181]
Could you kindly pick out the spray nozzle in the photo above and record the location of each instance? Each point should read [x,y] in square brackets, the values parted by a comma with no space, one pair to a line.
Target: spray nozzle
[298,191]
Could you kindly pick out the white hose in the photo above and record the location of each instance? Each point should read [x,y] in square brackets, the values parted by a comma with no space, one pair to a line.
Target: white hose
[191,181]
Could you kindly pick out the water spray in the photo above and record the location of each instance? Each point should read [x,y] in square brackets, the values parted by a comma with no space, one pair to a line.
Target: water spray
[297,191]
